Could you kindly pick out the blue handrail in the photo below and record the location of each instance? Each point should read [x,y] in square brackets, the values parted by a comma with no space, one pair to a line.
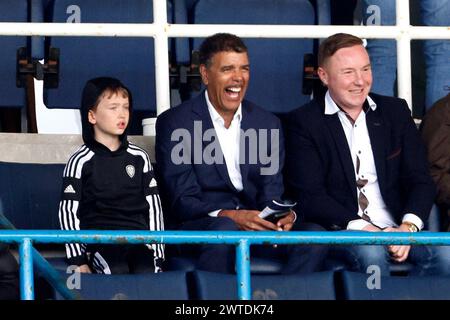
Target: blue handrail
[242,239]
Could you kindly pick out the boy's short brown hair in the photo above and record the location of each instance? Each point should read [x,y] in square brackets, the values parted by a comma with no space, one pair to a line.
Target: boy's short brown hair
[108,93]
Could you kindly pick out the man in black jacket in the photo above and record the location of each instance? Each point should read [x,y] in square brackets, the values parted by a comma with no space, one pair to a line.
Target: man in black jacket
[355,161]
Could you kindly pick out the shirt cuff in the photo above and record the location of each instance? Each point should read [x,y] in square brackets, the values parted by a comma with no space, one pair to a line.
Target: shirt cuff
[357,225]
[412,218]
[295,215]
[214,213]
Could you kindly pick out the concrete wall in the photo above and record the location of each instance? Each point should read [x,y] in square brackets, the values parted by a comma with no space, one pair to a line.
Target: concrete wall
[52,148]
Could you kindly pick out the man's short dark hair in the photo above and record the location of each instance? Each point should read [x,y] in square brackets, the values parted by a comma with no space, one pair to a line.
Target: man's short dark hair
[220,42]
[335,42]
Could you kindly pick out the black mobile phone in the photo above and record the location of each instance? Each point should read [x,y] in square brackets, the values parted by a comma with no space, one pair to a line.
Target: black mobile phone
[274,217]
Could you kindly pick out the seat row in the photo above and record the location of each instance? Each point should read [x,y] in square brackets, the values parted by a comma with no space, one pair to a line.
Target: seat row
[202,285]
[31,167]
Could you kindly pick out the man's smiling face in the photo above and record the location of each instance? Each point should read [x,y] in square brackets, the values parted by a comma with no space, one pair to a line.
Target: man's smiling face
[348,76]
[226,79]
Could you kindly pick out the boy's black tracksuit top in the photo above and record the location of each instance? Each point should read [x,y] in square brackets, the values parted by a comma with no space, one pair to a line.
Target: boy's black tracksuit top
[113,190]
[104,189]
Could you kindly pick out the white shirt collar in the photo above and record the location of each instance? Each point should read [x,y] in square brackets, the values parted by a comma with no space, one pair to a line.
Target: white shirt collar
[216,117]
[332,108]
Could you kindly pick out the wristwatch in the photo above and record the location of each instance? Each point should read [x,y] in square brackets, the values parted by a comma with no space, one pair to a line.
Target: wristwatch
[411,227]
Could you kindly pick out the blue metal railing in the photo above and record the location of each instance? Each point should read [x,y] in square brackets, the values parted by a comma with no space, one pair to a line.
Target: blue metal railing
[242,239]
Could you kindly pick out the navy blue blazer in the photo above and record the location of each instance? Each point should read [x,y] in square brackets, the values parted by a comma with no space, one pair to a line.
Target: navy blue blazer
[192,190]
[319,171]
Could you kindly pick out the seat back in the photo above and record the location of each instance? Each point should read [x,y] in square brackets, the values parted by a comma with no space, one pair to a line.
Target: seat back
[30,194]
[357,286]
[169,285]
[129,59]
[11,11]
[182,48]
[276,64]
[313,286]
[31,170]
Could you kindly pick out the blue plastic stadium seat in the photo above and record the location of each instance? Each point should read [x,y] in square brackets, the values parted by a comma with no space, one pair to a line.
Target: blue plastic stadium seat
[148,286]
[395,288]
[276,64]
[129,59]
[313,286]
[182,48]
[82,58]
[12,96]
[30,194]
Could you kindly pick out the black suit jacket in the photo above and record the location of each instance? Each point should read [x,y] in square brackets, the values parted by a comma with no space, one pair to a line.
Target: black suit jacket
[319,170]
[192,190]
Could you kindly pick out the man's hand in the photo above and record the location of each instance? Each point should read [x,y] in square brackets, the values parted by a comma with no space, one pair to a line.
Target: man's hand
[399,253]
[84,269]
[248,220]
[286,223]
[370,227]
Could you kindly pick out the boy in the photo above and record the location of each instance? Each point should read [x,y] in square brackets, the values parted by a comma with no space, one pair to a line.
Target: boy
[108,184]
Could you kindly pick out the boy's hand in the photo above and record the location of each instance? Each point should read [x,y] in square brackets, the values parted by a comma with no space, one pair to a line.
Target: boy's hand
[84,269]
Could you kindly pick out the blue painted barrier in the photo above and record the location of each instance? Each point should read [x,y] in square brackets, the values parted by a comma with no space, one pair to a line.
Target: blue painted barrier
[242,239]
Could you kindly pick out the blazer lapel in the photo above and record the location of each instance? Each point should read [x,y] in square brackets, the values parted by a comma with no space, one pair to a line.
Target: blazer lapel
[337,132]
[244,158]
[378,133]
[201,112]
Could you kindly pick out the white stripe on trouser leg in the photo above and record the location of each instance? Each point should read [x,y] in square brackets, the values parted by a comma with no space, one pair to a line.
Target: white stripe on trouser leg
[102,263]
[96,266]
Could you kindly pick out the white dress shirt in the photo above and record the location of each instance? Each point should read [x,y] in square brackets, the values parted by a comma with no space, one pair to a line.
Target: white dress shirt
[360,146]
[229,140]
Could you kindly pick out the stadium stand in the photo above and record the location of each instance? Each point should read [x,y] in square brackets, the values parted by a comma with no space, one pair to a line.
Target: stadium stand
[31,165]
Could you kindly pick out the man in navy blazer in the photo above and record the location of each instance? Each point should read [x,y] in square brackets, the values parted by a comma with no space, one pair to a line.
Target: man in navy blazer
[219,161]
[355,161]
